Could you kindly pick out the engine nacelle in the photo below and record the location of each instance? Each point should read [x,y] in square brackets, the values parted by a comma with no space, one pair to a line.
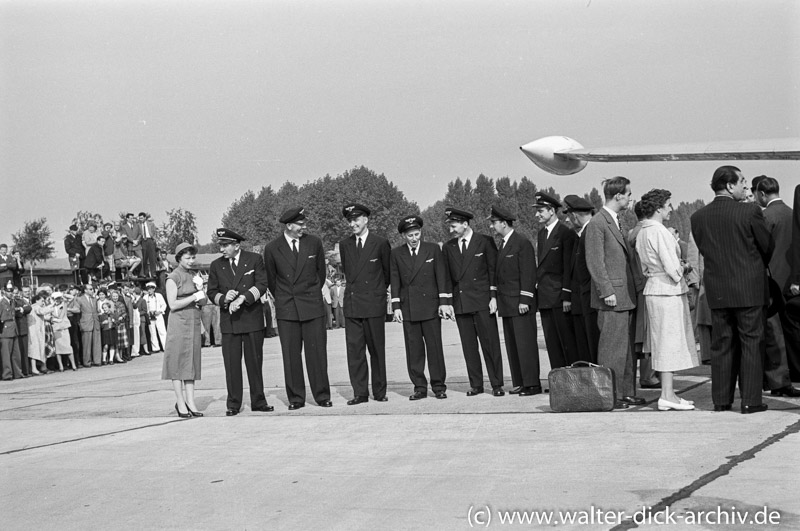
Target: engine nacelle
[543,152]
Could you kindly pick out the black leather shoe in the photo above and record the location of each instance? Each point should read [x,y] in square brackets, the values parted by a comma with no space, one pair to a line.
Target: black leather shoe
[515,391]
[326,403]
[418,396]
[231,412]
[441,395]
[296,405]
[788,391]
[358,400]
[754,409]
[186,415]
[529,391]
[656,385]
[382,399]
[619,404]
[475,391]
[264,409]
[498,392]
[634,400]
[722,407]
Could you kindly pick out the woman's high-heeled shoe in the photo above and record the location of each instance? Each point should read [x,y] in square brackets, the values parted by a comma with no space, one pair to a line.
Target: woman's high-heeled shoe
[182,415]
[193,413]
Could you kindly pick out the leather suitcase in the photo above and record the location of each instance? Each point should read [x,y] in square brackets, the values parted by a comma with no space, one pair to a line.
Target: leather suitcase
[582,386]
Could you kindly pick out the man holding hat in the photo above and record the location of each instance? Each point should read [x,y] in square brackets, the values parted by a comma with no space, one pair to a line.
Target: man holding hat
[584,317]
[365,262]
[420,298]
[516,278]
[296,272]
[156,306]
[236,282]
[555,246]
[471,264]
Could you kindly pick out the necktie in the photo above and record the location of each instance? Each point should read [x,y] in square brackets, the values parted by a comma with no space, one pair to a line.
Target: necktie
[294,247]
[463,246]
[360,246]
[414,254]
[502,243]
[144,230]
[233,265]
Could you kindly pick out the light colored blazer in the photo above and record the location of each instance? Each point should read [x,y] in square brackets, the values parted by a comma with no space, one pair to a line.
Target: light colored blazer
[659,255]
[609,263]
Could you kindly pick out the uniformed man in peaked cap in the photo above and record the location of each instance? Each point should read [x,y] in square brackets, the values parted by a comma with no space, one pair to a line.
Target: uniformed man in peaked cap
[365,262]
[471,263]
[516,278]
[420,298]
[296,271]
[555,246]
[236,282]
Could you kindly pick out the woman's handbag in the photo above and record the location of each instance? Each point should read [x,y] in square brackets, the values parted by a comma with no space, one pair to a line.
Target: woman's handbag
[582,386]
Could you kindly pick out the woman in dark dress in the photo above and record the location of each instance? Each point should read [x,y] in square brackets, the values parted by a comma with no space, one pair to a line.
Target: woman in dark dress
[182,352]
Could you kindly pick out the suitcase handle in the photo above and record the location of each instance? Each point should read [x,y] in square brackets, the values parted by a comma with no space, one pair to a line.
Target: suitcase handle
[585,364]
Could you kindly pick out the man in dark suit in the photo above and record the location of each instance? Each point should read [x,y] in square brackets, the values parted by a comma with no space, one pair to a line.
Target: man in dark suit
[133,231]
[471,264]
[736,245]
[555,246]
[794,276]
[147,229]
[73,245]
[236,281]
[584,317]
[86,304]
[296,272]
[613,288]
[781,332]
[95,262]
[420,298]
[516,281]
[365,262]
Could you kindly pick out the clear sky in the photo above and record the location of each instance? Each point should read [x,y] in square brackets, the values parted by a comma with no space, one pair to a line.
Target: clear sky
[151,105]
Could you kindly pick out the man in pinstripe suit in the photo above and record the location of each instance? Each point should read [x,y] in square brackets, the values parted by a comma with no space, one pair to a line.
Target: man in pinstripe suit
[736,245]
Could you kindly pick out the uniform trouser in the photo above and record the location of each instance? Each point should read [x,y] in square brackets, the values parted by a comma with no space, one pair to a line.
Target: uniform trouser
[776,368]
[522,348]
[422,336]
[328,316]
[252,344]
[614,350]
[11,358]
[472,328]
[310,335]
[25,363]
[559,337]
[791,336]
[362,334]
[91,346]
[581,341]
[210,320]
[158,331]
[736,354]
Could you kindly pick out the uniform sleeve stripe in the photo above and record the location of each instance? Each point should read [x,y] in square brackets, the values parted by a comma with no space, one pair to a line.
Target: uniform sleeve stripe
[567,290]
[255,292]
[445,295]
[493,288]
[526,293]
[396,300]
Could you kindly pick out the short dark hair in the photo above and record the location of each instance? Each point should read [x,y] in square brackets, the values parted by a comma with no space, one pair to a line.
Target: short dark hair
[187,250]
[768,185]
[614,186]
[143,214]
[637,209]
[723,176]
[652,201]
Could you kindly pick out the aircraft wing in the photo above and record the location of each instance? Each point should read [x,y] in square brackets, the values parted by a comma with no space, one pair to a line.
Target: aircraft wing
[767,149]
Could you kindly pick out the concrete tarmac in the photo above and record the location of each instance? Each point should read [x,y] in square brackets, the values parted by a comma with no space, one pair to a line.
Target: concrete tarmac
[103,448]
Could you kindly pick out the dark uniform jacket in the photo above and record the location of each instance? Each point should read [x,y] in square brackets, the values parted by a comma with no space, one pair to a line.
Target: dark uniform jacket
[516,275]
[736,246]
[367,276]
[580,279]
[778,217]
[8,266]
[419,286]
[553,274]
[249,280]
[8,322]
[471,275]
[74,245]
[296,281]
[22,307]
